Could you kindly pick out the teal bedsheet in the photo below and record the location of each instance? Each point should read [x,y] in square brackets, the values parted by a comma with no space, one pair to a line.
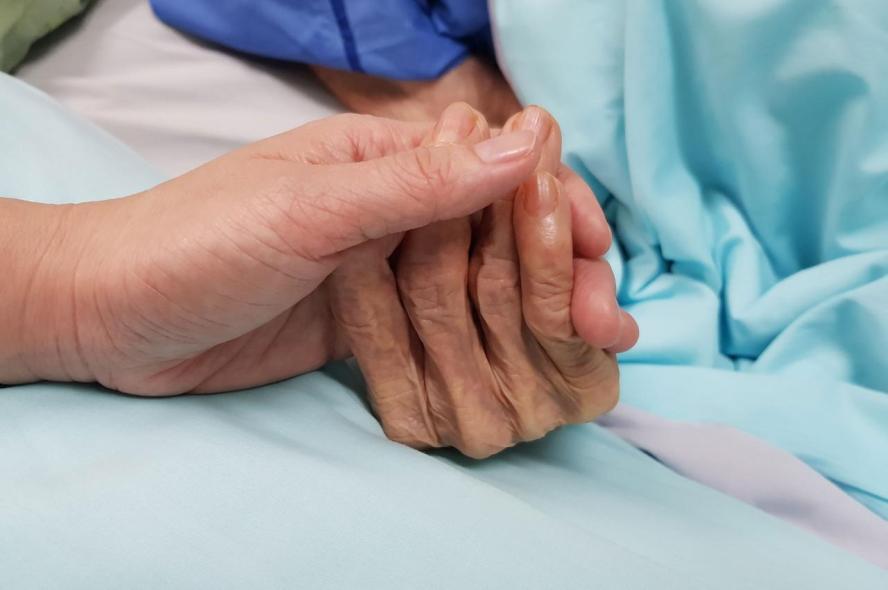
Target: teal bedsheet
[741,151]
[294,485]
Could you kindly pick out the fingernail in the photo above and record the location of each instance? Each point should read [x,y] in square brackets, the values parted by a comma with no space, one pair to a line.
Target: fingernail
[533,119]
[456,123]
[506,147]
[544,199]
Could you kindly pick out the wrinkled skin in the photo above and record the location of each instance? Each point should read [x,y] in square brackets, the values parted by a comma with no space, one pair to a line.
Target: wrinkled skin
[487,354]
[468,340]
[289,253]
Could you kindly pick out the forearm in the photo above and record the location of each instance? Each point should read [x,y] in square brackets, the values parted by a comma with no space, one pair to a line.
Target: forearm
[474,81]
[37,293]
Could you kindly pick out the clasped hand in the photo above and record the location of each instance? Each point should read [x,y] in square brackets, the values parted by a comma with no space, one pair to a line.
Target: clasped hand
[460,267]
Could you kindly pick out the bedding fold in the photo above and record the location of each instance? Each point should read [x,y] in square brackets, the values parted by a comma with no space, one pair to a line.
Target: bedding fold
[740,150]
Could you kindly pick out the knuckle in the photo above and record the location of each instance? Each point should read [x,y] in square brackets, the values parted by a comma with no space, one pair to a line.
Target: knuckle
[413,177]
[482,449]
[348,143]
[428,170]
[349,137]
[423,293]
[496,286]
[428,290]
[476,452]
[550,288]
[544,416]
[547,309]
[367,138]
[403,423]
[356,323]
[482,442]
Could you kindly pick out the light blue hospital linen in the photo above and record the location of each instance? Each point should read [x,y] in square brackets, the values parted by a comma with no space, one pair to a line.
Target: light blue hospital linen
[741,152]
[51,156]
[294,485]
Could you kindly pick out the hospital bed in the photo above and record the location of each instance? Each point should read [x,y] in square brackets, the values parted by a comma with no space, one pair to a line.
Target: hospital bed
[177,102]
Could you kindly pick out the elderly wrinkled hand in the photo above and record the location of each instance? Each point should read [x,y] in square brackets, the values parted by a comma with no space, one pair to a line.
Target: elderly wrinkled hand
[481,338]
[279,257]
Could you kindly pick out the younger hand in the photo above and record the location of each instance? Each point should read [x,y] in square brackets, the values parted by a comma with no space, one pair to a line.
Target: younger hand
[215,280]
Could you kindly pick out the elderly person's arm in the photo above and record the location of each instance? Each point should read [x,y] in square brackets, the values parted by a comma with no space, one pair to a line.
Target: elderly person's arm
[244,272]
[404,59]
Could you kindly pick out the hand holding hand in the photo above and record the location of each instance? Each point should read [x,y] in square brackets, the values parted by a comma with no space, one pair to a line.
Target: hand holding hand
[289,253]
[214,280]
[468,339]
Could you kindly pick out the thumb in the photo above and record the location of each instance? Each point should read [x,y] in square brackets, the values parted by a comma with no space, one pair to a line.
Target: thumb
[375,198]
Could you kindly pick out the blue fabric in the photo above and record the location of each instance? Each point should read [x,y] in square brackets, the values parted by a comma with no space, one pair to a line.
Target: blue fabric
[294,485]
[401,39]
[741,152]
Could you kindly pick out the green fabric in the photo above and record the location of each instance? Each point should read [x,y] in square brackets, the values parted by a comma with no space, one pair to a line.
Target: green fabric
[24,21]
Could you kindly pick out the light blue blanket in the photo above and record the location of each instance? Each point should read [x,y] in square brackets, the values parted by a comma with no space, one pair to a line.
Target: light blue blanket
[741,151]
[295,486]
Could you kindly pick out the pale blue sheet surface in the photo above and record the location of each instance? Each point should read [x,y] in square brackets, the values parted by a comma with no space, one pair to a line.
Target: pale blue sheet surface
[294,485]
[741,151]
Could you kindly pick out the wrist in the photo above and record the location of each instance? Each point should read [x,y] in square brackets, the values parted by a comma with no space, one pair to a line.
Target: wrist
[38,305]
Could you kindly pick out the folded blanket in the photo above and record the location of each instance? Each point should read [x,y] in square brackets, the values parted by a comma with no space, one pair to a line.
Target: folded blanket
[24,21]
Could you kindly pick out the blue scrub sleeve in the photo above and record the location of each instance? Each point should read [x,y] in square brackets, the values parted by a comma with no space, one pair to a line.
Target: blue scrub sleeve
[400,39]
